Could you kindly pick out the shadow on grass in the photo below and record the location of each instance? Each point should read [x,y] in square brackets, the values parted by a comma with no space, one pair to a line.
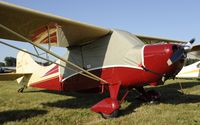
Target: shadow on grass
[16,115]
[169,95]
[78,100]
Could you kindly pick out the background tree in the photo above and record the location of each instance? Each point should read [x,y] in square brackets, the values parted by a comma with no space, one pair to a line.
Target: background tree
[191,61]
[2,64]
[10,61]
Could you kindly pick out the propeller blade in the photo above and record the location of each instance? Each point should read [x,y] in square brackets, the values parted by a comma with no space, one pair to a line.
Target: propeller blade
[188,46]
[192,41]
[177,55]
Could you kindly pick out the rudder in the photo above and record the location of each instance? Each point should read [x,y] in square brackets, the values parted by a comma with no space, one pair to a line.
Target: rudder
[47,77]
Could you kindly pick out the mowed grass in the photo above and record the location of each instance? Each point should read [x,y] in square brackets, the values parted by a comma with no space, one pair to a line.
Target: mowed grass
[36,106]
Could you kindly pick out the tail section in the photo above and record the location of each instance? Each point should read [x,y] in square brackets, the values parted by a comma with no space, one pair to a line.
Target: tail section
[47,77]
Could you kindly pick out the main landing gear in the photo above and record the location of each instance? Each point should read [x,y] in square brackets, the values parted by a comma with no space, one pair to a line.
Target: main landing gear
[109,107]
[150,96]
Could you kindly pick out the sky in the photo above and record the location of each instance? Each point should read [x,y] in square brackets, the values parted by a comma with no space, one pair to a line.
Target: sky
[173,19]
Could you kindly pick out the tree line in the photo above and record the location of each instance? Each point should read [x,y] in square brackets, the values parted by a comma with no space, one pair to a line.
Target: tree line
[9,62]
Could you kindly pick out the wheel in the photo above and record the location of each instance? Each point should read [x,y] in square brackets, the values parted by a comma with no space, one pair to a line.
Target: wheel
[113,115]
[20,90]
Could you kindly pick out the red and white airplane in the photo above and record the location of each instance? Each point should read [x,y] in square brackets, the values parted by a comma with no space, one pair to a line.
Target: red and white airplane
[98,59]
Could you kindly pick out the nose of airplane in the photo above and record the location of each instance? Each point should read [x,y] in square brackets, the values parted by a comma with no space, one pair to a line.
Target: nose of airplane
[180,52]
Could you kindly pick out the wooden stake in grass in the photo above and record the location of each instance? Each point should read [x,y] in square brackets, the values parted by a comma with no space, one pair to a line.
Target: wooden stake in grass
[181,87]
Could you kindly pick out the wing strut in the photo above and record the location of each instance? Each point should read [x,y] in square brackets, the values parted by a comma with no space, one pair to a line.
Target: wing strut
[87,74]
[46,59]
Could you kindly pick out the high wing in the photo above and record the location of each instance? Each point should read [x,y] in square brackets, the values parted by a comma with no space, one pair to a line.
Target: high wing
[12,76]
[151,40]
[30,23]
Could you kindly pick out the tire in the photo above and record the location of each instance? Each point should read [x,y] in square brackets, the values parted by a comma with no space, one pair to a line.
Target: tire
[20,90]
[112,115]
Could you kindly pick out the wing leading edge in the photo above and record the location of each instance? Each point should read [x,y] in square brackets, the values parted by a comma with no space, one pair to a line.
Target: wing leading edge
[151,39]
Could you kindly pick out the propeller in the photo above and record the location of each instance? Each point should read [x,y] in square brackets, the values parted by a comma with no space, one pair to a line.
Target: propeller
[181,52]
[188,46]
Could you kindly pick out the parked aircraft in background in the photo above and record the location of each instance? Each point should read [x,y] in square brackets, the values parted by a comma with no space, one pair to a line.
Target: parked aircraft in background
[190,71]
[7,69]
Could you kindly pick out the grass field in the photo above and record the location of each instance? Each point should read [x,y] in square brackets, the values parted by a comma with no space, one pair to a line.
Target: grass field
[36,106]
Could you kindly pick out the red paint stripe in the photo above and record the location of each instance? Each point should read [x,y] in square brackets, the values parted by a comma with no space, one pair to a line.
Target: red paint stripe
[53,38]
[49,84]
[126,76]
[52,71]
[42,29]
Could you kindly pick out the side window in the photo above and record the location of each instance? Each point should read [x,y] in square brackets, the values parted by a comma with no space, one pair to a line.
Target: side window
[198,65]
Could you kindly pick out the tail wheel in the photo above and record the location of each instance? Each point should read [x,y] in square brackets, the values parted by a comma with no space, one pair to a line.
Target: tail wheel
[20,90]
[112,115]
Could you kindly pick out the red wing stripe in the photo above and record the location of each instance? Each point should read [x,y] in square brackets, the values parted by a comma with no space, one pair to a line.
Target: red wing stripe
[52,71]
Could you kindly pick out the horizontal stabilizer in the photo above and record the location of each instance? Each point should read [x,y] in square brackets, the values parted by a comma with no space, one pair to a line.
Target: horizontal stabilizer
[12,76]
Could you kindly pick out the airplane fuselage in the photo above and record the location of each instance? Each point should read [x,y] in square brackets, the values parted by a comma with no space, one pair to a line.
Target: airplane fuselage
[154,61]
[118,58]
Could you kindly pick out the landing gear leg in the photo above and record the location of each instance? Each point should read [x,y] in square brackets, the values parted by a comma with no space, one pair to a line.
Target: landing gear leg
[109,107]
[148,96]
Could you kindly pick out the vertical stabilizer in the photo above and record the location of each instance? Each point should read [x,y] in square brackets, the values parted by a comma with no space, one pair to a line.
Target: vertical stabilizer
[47,77]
